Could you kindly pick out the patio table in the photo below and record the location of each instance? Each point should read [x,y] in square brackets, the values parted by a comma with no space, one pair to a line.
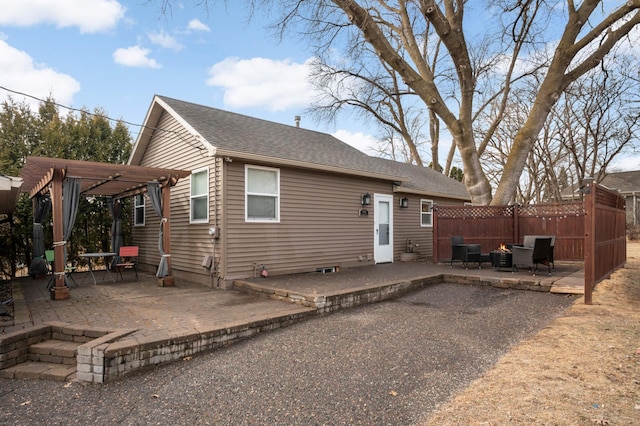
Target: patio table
[90,259]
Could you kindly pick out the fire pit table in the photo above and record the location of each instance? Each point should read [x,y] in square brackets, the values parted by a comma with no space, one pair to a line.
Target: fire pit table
[501,259]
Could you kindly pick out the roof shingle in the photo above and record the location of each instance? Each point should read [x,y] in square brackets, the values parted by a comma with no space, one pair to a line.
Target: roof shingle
[237,133]
[242,136]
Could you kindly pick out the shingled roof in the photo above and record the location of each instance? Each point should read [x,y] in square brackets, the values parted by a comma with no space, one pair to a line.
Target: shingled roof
[239,136]
[9,192]
[424,180]
[627,183]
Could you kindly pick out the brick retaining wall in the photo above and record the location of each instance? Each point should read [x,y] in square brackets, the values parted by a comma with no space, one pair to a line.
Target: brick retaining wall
[353,297]
[102,360]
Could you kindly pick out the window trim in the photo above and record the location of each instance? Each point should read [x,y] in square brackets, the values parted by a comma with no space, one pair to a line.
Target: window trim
[425,200]
[137,206]
[247,167]
[205,195]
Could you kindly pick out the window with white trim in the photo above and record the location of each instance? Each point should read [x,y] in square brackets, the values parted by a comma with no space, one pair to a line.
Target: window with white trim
[138,210]
[199,196]
[426,212]
[262,194]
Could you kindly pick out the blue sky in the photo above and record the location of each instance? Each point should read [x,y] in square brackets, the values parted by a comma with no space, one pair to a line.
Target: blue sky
[117,54]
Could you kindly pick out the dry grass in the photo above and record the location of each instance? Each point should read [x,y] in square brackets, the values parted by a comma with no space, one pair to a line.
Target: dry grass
[583,369]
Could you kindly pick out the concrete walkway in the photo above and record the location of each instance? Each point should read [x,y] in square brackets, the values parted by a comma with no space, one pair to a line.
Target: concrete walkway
[152,314]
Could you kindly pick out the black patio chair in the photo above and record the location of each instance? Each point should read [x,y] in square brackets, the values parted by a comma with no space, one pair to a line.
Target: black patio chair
[529,240]
[531,257]
[464,253]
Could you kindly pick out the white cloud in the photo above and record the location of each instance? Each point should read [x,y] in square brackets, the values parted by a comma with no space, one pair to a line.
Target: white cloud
[262,82]
[20,73]
[135,56]
[358,140]
[197,25]
[626,163]
[90,16]
[165,40]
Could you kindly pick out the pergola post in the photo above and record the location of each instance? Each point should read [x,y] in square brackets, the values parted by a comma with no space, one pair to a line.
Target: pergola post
[60,290]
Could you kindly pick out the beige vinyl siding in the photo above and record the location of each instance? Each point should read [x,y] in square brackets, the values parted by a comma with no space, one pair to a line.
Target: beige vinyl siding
[407,226]
[319,223]
[176,148]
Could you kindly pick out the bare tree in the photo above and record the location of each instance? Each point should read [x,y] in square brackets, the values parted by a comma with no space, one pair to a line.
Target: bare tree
[556,45]
[362,83]
[590,126]
[603,124]
[588,35]
[379,98]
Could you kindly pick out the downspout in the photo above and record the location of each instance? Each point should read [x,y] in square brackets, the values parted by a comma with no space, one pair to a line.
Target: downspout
[221,214]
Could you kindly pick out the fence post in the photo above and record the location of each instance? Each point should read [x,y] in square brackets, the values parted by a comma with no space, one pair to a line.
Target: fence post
[516,224]
[435,234]
[589,190]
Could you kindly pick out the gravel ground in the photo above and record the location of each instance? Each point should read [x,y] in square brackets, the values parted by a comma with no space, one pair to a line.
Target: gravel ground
[390,363]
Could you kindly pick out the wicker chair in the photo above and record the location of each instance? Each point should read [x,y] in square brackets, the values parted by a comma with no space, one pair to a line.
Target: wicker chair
[531,257]
[530,239]
[464,253]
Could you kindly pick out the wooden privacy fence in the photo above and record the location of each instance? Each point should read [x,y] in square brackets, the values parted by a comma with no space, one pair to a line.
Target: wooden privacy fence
[592,230]
[605,235]
[491,226]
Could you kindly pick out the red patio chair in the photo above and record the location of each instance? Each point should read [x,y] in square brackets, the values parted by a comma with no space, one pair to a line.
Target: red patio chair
[127,259]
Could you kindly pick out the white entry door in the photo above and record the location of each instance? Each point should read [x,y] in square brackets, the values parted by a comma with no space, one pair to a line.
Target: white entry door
[383,228]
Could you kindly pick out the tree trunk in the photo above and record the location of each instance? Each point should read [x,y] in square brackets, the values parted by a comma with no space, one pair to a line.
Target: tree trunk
[474,177]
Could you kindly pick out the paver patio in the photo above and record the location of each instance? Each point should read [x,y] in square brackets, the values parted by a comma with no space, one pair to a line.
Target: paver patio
[156,313]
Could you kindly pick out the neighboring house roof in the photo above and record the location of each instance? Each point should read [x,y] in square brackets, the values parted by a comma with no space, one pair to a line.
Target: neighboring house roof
[9,193]
[225,133]
[627,183]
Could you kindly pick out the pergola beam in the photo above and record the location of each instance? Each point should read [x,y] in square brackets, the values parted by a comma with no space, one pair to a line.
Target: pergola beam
[101,182]
[42,184]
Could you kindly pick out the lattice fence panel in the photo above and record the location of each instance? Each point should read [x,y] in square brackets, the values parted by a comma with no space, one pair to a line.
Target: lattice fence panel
[558,209]
[474,212]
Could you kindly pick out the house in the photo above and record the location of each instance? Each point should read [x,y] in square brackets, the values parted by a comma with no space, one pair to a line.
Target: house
[9,192]
[627,183]
[268,198]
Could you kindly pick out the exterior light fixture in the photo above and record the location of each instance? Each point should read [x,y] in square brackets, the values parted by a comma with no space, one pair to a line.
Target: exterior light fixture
[366,199]
[404,202]
[586,185]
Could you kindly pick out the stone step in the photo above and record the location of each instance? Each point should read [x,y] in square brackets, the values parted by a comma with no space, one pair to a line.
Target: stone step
[54,352]
[40,370]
